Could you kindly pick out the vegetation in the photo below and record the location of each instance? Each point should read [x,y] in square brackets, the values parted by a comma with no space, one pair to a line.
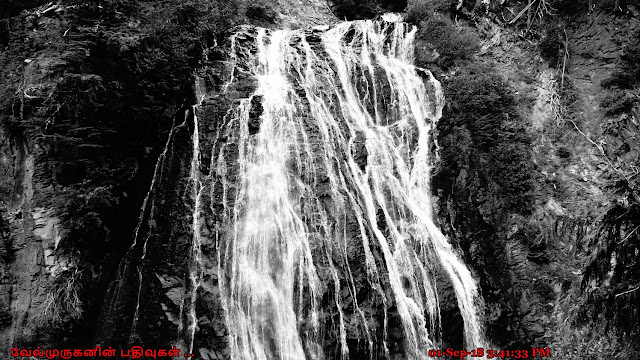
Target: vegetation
[64,304]
[611,279]
[354,9]
[627,75]
[486,172]
[481,102]
[552,45]
[616,102]
[88,218]
[153,68]
[573,6]
[97,120]
[610,291]
[601,311]
[419,10]
[451,42]
[620,98]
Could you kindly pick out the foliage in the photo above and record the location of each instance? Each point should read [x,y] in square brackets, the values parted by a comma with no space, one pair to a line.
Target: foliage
[76,99]
[620,98]
[627,75]
[108,12]
[393,5]
[616,102]
[555,8]
[571,6]
[577,6]
[611,285]
[419,10]
[486,174]
[157,69]
[354,9]
[595,341]
[261,13]
[64,304]
[451,42]
[480,101]
[125,67]
[86,218]
[551,45]
[14,7]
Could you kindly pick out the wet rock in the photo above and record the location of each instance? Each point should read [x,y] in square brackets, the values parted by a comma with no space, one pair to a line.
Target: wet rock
[132,310]
[254,114]
[359,151]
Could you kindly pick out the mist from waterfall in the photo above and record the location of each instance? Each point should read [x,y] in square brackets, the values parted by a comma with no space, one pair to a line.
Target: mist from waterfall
[334,146]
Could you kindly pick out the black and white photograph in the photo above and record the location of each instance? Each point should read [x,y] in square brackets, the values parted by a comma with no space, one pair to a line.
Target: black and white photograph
[320,179]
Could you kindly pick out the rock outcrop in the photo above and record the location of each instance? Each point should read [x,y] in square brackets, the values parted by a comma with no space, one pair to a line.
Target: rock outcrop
[97,123]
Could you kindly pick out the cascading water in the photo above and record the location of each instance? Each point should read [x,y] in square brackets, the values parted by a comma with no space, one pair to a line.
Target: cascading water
[318,189]
[332,156]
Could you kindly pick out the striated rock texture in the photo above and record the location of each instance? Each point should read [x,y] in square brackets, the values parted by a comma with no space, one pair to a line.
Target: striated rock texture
[537,184]
[89,95]
[532,173]
[357,297]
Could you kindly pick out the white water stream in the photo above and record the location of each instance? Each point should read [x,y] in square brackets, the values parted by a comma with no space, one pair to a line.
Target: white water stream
[350,93]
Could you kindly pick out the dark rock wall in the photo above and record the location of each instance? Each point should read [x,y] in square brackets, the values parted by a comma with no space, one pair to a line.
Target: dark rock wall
[76,164]
[536,264]
[90,96]
[157,260]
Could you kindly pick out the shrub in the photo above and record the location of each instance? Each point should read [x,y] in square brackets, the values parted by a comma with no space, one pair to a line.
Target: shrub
[64,304]
[570,6]
[393,5]
[451,42]
[623,78]
[13,7]
[485,175]
[109,12]
[616,102]
[419,10]
[354,9]
[577,6]
[627,75]
[563,152]
[610,289]
[480,101]
[551,46]
[261,13]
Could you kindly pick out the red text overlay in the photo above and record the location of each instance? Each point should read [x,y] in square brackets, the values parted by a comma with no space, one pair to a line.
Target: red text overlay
[136,352]
[491,354]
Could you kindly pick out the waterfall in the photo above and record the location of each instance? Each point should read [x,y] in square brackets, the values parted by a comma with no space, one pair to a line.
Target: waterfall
[324,180]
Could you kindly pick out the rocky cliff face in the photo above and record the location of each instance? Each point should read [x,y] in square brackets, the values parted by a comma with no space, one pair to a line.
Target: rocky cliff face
[535,263]
[76,163]
[97,122]
[155,302]
[92,91]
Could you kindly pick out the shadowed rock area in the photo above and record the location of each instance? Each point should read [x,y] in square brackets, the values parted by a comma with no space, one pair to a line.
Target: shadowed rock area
[536,177]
